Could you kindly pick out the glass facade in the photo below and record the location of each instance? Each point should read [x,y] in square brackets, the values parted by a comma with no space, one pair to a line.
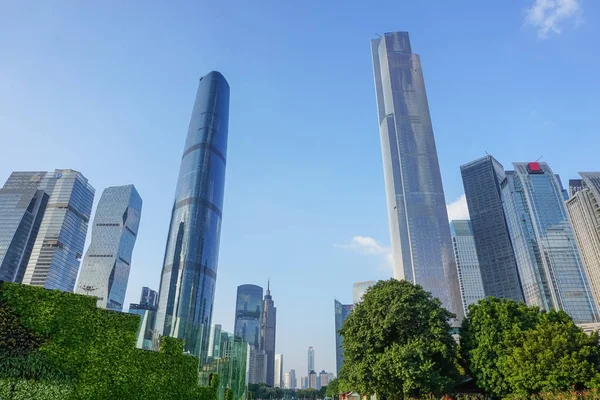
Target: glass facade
[58,248]
[359,289]
[189,270]
[248,313]
[107,263]
[269,329]
[341,313]
[467,264]
[149,298]
[311,359]
[418,220]
[22,207]
[278,371]
[549,264]
[497,263]
[584,213]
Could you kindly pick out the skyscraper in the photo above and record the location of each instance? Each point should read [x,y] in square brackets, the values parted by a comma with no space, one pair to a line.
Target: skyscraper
[22,207]
[269,328]
[312,380]
[359,289]
[341,313]
[583,208]
[311,359]
[149,298]
[105,269]
[287,381]
[248,314]
[548,260]
[418,220]
[278,382]
[214,341]
[467,264]
[497,263]
[189,270]
[58,248]
[323,379]
[293,381]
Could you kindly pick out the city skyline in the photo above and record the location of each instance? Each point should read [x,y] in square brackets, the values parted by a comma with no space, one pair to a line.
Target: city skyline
[101,90]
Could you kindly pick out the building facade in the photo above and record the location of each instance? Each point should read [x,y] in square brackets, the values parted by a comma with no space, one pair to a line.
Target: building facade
[418,219]
[311,359]
[248,314]
[548,260]
[149,298]
[583,208]
[269,329]
[323,379]
[58,248]
[359,289]
[467,264]
[497,262]
[22,207]
[342,311]
[278,382]
[313,379]
[107,263]
[189,270]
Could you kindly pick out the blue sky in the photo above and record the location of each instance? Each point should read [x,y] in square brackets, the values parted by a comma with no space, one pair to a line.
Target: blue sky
[107,88]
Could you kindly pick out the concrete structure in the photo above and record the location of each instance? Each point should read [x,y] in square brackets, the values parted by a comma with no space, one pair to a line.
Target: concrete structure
[323,379]
[278,381]
[313,380]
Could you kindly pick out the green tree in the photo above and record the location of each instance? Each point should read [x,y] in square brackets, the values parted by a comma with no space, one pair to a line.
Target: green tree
[397,343]
[332,388]
[322,392]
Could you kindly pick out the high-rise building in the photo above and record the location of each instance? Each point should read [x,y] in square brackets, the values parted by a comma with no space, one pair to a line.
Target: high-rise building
[497,263]
[189,270]
[214,340]
[304,382]
[418,219]
[22,207]
[287,383]
[323,379]
[269,328]
[105,269]
[330,376]
[293,381]
[58,248]
[583,208]
[257,365]
[278,382]
[548,260]
[467,264]
[248,314]
[312,380]
[311,359]
[149,298]
[359,289]
[341,313]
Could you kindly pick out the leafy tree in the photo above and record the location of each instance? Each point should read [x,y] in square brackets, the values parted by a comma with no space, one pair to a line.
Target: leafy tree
[397,343]
[332,388]
[322,392]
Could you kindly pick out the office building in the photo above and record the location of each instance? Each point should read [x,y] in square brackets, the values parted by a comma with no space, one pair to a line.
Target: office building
[311,359]
[323,379]
[248,314]
[149,298]
[467,264]
[293,382]
[418,220]
[22,207]
[548,260]
[304,382]
[359,289]
[278,371]
[58,247]
[287,381]
[330,376]
[107,263]
[189,270]
[497,263]
[583,208]
[269,328]
[312,380]
[257,369]
[214,341]
[341,313]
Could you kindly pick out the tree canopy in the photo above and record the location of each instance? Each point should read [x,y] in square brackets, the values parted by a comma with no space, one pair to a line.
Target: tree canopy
[397,343]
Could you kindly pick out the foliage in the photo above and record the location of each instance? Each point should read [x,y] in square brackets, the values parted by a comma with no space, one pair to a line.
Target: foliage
[228,394]
[512,349]
[397,343]
[74,350]
[322,392]
[332,388]
[311,394]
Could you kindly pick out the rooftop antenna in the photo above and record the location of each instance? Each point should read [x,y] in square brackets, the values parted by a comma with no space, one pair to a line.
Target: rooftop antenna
[487,152]
[539,158]
[378,34]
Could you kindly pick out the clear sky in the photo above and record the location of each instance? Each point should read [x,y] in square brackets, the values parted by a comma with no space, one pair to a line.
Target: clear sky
[107,88]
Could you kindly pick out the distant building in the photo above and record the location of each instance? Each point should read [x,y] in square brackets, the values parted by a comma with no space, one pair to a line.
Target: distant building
[268,331]
[293,382]
[248,314]
[341,313]
[214,340]
[467,264]
[257,369]
[323,379]
[278,380]
[583,208]
[107,263]
[149,297]
[304,382]
[359,290]
[311,359]
[330,377]
[313,380]
[287,381]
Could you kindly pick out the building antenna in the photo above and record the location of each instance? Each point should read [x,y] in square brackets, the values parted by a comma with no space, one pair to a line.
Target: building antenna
[378,34]
[487,152]
[539,158]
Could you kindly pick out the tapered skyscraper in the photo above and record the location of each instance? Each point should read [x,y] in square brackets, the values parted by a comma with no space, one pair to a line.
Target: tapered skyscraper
[418,220]
[190,266]
[269,330]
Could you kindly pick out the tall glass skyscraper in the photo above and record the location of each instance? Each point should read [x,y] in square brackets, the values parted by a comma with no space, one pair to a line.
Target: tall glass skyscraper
[189,270]
[22,207]
[269,330]
[583,208]
[58,248]
[482,179]
[341,313]
[248,314]
[311,360]
[105,269]
[550,267]
[418,219]
[467,264]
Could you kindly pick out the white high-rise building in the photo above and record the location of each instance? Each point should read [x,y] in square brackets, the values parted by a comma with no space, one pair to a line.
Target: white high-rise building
[278,375]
